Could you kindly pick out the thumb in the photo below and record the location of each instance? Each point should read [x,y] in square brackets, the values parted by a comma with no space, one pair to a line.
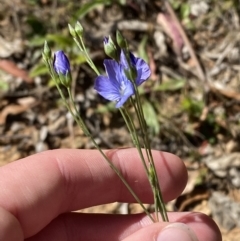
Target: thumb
[156,232]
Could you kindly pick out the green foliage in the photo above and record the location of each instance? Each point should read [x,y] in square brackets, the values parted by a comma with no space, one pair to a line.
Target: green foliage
[62,41]
[32,2]
[192,107]
[91,5]
[171,85]
[203,172]
[36,41]
[151,117]
[142,48]
[39,69]
[175,4]
[185,16]
[109,107]
[87,7]
[183,8]
[4,86]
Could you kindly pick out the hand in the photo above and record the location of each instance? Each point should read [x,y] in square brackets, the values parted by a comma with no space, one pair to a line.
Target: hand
[39,192]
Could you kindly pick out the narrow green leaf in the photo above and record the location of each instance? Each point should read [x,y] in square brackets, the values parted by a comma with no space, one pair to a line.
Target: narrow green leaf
[151,117]
[185,10]
[39,69]
[109,107]
[142,48]
[62,41]
[171,85]
[36,41]
[87,7]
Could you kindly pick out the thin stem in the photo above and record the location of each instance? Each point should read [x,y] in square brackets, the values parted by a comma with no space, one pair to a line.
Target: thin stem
[82,125]
[159,203]
[78,44]
[133,133]
[81,46]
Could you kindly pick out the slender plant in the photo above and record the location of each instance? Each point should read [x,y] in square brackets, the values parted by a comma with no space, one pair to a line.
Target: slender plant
[124,73]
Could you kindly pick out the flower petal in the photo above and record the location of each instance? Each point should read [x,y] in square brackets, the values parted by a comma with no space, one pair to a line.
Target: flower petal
[142,67]
[143,70]
[123,60]
[105,87]
[61,63]
[129,90]
[116,87]
[112,68]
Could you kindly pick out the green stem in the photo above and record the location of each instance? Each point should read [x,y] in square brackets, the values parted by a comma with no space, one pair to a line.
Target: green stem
[134,135]
[158,199]
[81,46]
[156,188]
[82,125]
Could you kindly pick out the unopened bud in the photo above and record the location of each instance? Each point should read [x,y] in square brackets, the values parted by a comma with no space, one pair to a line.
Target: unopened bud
[79,29]
[47,53]
[72,31]
[110,48]
[62,67]
[122,43]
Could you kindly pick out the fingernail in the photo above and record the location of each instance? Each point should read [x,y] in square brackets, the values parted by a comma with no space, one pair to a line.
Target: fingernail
[177,231]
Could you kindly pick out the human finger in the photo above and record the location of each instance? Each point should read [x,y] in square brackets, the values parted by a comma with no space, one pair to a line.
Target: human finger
[39,188]
[78,226]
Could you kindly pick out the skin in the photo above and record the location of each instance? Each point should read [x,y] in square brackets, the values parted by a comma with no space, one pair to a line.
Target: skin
[39,192]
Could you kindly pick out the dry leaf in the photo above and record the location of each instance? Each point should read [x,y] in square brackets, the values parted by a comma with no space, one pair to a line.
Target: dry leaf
[12,109]
[26,101]
[226,92]
[11,68]
[171,30]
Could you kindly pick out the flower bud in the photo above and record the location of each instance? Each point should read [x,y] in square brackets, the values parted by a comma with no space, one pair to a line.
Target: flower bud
[72,31]
[122,43]
[46,51]
[79,29]
[62,67]
[110,48]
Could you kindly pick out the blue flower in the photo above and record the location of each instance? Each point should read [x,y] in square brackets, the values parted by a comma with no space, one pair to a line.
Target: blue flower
[115,86]
[61,63]
[142,68]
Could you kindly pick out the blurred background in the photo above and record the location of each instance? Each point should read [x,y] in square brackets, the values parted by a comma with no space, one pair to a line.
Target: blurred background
[191,101]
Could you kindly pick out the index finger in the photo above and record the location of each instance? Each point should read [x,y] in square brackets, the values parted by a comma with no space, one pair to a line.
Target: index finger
[40,187]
